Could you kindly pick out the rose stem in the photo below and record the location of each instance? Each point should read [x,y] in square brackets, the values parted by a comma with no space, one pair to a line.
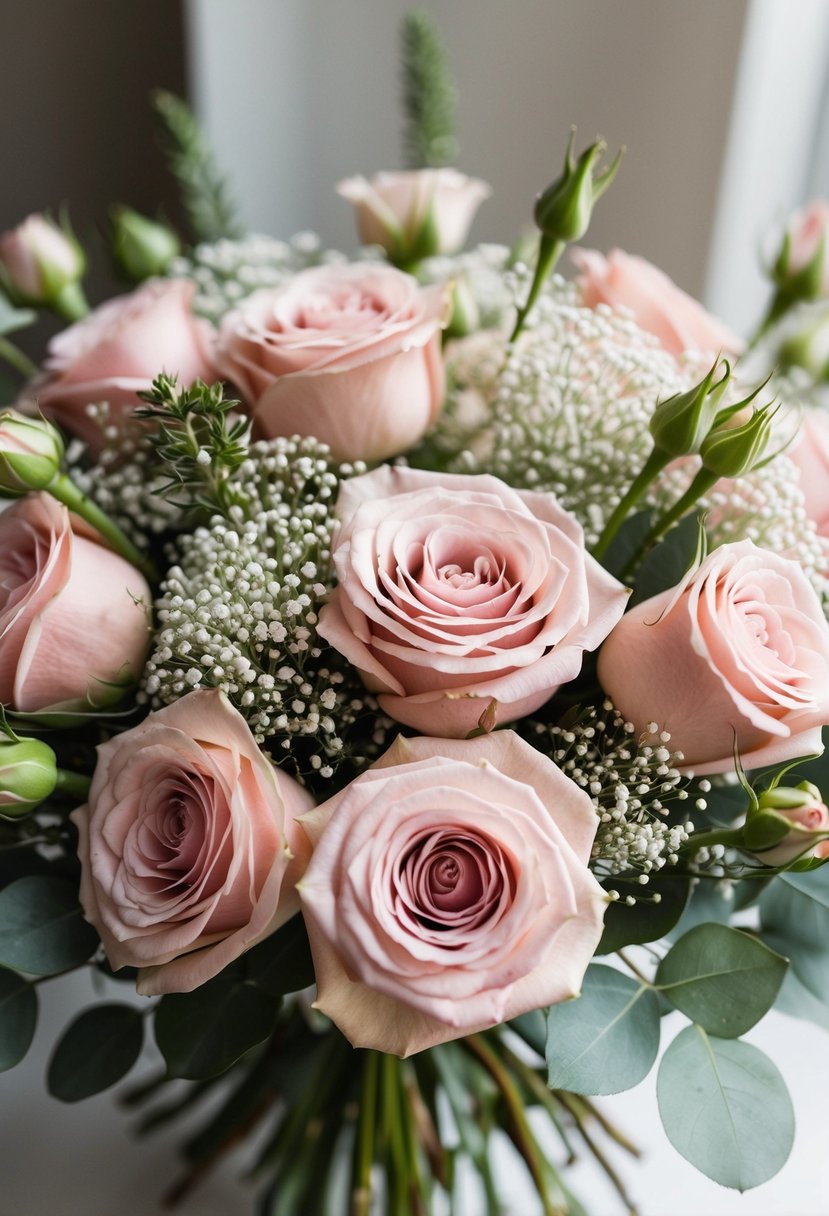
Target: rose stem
[548,255]
[18,360]
[397,1172]
[64,490]
[544,1095]
[571,1102]
[651,469]
[73,785]
[525,1139]
[701,484]
[364,1144]
[610,1129]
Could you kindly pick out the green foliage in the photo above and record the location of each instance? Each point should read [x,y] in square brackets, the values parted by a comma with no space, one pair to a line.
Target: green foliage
[282,963]
[668,562]
[202,1033]
[197,443]
[607,1039]
[725,1108]
[429,95]
[18,1017]
[645,921]
[721,978]
[794,913]
[95,1051]
[627,542]
[203,187]
[12,318]
[42,929]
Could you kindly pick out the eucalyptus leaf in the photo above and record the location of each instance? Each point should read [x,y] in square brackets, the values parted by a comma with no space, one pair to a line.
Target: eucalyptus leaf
[95,1051]
[725,1108]
[18,1018]
[605,1040]
[797,1001]
[668,562]
[12,318]
[282,963]
[42,928]
[721,978]
[709,901]
[645,921]
[794,914]
[201,1033]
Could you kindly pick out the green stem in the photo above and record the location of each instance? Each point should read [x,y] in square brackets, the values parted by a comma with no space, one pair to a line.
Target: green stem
[549,252]
[17,358]
[730,837]
[71,303]
[398,1167]
[573,1104]
[64,490]
[364,1146]
[653,466]
[701,484]
[73,785]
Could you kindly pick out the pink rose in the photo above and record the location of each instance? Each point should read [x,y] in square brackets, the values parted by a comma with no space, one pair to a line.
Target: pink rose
[117,351]
[805,813]
[73,614]
[349,354]
[739,649]
[622,280]
[454,591]
[811,455]
[189,851]
[416,214]
[449,890]
[806,233]
[38,260]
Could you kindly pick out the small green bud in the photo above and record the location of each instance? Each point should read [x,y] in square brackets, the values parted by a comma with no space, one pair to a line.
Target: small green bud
[31,451]
[465,317]
[563,210]
[788,822]
[28,775]
[732,450]
[680,423]
[142,248]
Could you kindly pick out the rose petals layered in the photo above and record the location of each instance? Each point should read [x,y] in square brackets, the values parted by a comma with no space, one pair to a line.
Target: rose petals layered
[117,351]
[623,280]
[74,625]
[449,890]
[349,354]
[189,851]
[738,652]
[454,591]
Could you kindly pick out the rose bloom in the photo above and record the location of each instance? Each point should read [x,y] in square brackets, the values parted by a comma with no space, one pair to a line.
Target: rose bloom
[623,280]
[73,614]
[809,835]
[454,591]
[448,891]
[810,453]
[415,214]
[349,354]
[117,351]
[805,232]
[740,649]
[188,847]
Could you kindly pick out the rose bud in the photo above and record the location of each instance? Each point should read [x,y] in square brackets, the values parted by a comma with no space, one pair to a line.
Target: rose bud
[624,281]
[188,846]
[563,210]
[42,264]
[449,891]
[349,354]
[73,614]
[738,652]
[679,424]
[31,451]
[28,775]
[142,248]
[801,269]
[415,214]
[117,351]
[787,824]
[731,450]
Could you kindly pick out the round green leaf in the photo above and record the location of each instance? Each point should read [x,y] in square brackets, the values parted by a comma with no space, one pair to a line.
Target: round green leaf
[645,921]
[605,1040]
[18,1018]
[725,1108]
[42,928]
[95,1051]
[201,1033]
[794,912]
[721,978]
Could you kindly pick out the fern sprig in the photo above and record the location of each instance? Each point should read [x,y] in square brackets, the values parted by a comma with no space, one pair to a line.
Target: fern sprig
[429,95]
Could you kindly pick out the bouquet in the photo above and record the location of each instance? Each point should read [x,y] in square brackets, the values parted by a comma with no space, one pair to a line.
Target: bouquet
[413,672]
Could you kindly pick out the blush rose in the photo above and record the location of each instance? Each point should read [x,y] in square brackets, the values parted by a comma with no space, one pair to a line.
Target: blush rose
[189,851]
[117,351]
[739,650]
[349,354]
[73,614]
[454,591]
[449,890]
[806,234]
[623,280]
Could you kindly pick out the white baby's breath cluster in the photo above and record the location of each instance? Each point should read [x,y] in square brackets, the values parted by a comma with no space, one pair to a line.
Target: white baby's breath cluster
[226,272]
[631,781]
[572,403]
[238,611]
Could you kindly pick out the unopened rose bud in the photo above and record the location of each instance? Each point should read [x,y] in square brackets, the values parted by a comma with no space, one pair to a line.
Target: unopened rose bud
[415,214]
[31,451]
[563,210]
[788,823]
[680,424]
[801,268]
[28,775]
[732,451]
[142,248]
[40,263]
